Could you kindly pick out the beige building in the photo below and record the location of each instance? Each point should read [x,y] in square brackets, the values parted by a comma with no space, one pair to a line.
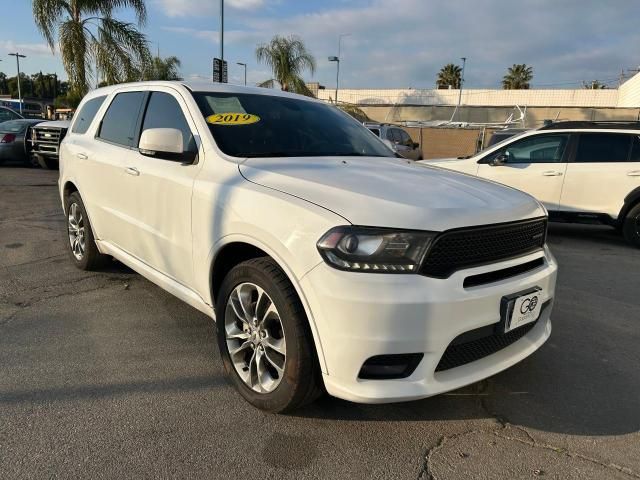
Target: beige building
[490,106]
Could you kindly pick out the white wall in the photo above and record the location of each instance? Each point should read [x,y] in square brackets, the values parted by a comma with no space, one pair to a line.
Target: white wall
[627,96]
[485,98]
[629,93]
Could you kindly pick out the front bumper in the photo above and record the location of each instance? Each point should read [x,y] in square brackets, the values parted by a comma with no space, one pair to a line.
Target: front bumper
[359,315]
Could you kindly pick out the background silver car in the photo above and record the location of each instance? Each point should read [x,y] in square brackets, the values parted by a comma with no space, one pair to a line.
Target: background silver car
[398,139]
[13,145]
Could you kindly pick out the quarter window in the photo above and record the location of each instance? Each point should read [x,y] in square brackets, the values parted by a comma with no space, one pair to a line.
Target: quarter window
[87,114]
[165,112]
[120,122]
[536,149]
[635,149]
[603,148]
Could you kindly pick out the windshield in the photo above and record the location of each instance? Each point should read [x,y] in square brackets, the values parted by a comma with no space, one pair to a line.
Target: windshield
[249,125]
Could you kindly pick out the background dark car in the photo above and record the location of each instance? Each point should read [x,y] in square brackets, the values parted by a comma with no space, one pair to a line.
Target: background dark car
[13,144]
[7,114]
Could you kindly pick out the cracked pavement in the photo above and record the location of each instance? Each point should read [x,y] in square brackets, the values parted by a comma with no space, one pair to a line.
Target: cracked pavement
[104,375]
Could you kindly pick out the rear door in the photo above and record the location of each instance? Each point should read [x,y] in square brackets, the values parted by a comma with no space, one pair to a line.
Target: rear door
[534,164]
[605,168]
[161,200]
[97,150]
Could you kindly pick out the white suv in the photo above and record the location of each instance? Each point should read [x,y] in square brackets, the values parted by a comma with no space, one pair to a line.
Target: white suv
[582,171]
[325,260]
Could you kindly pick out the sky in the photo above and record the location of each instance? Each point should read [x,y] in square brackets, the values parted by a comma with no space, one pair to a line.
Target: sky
[389,43]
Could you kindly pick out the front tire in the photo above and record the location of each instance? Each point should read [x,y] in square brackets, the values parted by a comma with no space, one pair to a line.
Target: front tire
[631,226]
[82,245]
[264,338]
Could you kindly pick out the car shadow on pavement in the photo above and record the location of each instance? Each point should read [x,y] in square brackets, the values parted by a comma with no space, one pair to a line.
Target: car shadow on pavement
[601,235]
[94,392]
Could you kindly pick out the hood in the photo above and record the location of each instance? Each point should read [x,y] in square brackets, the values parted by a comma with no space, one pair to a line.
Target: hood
[390,192]
[56,124]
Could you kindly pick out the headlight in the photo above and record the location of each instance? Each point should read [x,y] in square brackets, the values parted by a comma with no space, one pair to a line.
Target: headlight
[375,250]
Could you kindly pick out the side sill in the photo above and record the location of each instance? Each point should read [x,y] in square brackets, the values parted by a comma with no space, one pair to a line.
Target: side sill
[163,281]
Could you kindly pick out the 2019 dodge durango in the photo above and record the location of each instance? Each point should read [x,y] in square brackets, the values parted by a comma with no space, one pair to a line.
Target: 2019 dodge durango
[327,262]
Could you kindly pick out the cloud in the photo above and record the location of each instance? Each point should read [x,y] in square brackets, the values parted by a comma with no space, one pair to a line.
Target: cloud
[405,42]
[199,8]
[36,49]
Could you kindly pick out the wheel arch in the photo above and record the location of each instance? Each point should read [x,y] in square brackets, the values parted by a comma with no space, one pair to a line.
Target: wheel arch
[630,201]
[232,250]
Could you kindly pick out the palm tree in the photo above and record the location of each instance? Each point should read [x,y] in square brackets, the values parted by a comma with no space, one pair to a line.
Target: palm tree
[288,58]
[162,69]
[449,76]
[517,77]
[89,37]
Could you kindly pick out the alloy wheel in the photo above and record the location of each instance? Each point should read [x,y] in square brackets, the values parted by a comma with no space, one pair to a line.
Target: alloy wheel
[255,337]
[76,231]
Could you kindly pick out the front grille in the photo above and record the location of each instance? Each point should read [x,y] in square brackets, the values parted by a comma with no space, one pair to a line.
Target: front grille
[463,248]
[47,135]
[482,342]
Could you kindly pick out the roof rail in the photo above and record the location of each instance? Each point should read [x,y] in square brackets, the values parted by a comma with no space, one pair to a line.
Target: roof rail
[587,124]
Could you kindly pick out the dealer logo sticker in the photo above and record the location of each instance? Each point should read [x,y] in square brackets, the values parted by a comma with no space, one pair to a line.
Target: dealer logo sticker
[529,305]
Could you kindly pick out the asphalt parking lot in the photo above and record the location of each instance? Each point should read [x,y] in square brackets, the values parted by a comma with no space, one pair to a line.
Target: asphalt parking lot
[105,375]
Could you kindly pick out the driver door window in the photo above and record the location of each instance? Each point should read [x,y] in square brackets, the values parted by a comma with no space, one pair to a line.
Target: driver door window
[537,149]
[534,164]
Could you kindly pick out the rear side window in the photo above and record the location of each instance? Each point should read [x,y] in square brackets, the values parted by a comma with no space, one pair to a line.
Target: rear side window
[603,148]
[87,114]
[164,111]
[635,149]
[120,121]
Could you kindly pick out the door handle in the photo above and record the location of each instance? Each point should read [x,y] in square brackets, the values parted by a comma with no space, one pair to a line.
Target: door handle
[634,173]
[133,171]
[552,173]
[81,156]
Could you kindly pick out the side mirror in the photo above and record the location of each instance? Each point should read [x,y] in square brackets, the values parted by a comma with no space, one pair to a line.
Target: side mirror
[499,160]
[416,145]
[165,143]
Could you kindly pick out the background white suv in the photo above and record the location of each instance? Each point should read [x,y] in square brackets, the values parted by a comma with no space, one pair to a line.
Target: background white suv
[325,260]
[581,171]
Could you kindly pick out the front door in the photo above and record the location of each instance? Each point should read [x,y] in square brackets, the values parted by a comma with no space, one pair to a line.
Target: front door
[534,164]
[162,198]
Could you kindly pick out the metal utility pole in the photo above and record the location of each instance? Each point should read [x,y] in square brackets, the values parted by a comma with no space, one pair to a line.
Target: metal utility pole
[18,57]
[245,71]
[464,62]
[222,30]
[337,60]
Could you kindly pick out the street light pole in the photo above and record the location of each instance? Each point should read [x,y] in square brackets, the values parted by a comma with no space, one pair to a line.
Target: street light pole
[222,31]
[18,57]
[337,60]
[245,71]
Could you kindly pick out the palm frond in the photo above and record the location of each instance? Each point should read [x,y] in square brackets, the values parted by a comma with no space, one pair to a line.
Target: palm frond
[47,14]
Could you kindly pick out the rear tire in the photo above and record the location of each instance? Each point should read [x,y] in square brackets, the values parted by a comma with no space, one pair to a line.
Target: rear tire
[296,381]
[81,242]
[631,226]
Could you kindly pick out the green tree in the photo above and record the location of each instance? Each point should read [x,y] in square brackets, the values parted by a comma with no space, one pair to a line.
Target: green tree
[449,75]
[518,77]
[288,58]
[162,69]
[91,38]
[4,87]
[594,85]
